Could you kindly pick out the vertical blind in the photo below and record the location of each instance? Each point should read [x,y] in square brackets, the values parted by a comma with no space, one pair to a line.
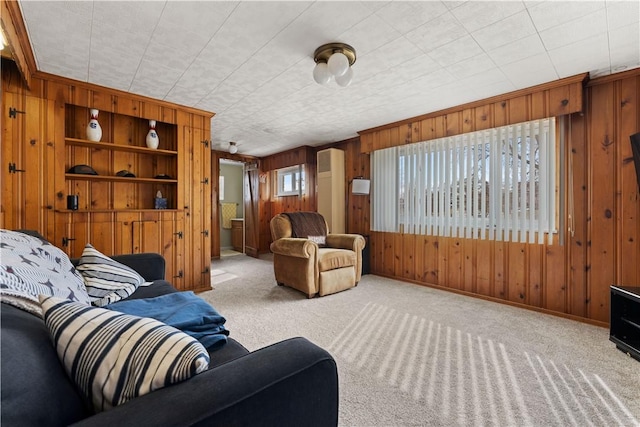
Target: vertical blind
[496,184]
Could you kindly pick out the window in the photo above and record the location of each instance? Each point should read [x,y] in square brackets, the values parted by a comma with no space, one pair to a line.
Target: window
[497,184]
[290,181]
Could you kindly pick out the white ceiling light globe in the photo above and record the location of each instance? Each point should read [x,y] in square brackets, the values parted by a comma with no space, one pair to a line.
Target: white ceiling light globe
[338,64]
[345,79]
[321,73]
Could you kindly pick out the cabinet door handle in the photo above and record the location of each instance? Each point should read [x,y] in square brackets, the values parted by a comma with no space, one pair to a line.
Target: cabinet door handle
[179,234]
[205,181]
[179,276]
[205,232]
[66,240]
[205,271]
[14,169]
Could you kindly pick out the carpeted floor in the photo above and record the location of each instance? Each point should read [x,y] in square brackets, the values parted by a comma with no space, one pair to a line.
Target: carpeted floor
[409,355]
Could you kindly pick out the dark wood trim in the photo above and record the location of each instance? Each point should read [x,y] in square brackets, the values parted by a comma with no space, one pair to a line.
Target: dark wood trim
[18,39]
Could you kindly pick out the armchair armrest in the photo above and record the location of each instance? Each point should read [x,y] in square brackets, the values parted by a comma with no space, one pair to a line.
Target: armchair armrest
[290,383]
[354,242]
[292,246]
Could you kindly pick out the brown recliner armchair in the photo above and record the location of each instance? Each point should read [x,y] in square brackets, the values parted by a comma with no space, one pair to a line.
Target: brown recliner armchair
[305,263]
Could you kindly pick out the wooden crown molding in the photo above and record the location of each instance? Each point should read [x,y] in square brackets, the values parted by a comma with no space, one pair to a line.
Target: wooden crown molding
[16,33]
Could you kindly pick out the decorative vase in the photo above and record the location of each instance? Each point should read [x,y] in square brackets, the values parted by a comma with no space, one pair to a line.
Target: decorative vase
[94,131]
[152,137]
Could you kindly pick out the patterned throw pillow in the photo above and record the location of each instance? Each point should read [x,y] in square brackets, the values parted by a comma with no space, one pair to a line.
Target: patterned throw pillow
[106,280]
[114,357]
[31,266]
[321,241]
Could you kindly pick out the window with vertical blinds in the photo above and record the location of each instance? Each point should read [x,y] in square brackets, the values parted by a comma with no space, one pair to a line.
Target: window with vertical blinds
[496,184]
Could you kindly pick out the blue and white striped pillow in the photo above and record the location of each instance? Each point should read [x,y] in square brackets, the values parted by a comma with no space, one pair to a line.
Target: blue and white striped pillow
[106,280]
[114,357]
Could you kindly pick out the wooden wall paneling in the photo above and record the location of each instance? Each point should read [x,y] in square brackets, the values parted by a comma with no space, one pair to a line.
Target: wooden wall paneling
[127,106]
[537,105]
[454,263]
[11,153]
[388,255]
[61,187]
[416,131]
[555,278]
[50,168]
[385,139]
[483,117]
[577,241]
[467,117]
[430,262]
[533,272]
[440,126]
[602,200]
[374,252]
[34,163]
[559,101]
[499,270]
[629,123]
[500,114]
[483,261]
[427,129]
[518,109]
[453,124]
[468,248]
[408,258]
[516,273]
[420,273]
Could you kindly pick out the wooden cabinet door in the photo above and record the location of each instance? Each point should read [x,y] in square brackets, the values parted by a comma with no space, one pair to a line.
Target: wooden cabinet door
[162,237]
[27,162]
[197,191]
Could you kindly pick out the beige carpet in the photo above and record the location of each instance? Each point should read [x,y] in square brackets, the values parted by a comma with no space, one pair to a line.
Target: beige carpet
[409,355]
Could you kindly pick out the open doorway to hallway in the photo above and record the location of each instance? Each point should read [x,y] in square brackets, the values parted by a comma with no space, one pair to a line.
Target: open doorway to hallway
[231,207]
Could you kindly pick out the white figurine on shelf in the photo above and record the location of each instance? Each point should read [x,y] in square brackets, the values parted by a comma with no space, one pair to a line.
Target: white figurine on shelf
[152,137]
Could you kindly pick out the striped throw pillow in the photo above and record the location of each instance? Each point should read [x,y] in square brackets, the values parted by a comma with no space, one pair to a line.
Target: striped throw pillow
[106,280]
[114,357]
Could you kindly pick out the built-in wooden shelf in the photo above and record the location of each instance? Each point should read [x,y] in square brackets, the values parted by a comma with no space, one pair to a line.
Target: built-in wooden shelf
[83,177]
[118,147]
[115,210]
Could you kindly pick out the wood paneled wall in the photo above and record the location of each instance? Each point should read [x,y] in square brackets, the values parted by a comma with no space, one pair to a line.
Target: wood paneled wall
[271,205]
[572,278]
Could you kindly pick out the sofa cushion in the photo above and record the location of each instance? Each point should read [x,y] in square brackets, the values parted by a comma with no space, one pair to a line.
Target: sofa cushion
[114,357]
[32,266]
[107,281]
[330,259]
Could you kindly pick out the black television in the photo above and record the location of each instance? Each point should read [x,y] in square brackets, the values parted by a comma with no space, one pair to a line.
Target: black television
[635,148]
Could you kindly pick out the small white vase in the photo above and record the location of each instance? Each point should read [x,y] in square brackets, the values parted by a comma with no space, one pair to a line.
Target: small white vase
[152,137]
[94,131]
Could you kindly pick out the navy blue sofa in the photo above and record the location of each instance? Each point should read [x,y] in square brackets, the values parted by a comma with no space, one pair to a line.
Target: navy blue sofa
[290,383]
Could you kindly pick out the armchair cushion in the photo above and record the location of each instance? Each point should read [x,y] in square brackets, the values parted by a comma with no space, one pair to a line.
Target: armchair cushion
[330,259]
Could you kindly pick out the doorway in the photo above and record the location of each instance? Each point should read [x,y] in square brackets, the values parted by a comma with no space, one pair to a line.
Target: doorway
[231,208]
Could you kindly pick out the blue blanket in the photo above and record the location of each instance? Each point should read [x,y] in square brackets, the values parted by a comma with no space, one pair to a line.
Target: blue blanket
[184,311]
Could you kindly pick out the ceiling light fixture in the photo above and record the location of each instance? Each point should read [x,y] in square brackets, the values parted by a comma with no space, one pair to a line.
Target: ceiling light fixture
[334,61]
[233,148]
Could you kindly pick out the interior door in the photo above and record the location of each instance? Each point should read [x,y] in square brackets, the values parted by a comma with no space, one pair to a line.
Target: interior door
[251,210]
